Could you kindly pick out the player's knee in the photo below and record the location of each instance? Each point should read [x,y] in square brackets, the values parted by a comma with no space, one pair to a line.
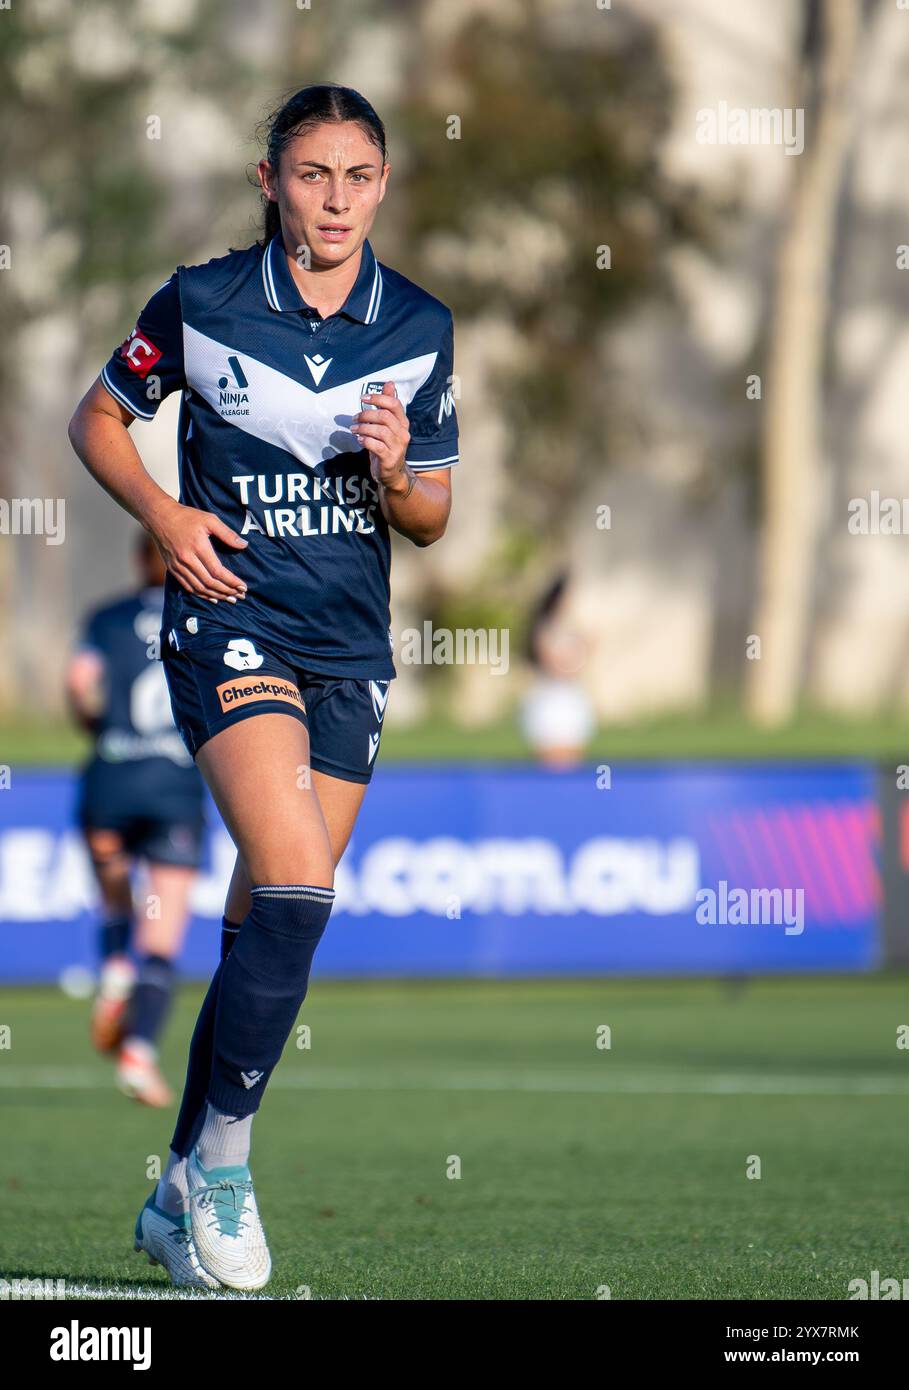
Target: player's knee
[300,863]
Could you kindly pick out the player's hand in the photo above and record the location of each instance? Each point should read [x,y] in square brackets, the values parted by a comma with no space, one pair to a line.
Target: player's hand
[381,427]
[183,535]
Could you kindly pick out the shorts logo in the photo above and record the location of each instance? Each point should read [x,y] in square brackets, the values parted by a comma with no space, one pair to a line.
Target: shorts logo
[242,655]
[252,689]
[379,698]
[373,746]
[181,839]
[139,353]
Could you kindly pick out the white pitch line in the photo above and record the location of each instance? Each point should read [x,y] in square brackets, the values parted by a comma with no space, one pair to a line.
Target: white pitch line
[618,1082]
[145,1292]
[165,1294]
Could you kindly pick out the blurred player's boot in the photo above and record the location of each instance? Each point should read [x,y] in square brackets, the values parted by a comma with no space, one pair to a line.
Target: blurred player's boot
[168,1241]
[138,1075]
[108,1015]
[228,1235]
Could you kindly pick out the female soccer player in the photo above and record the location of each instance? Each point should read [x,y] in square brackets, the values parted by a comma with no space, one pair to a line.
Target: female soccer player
[140,798]
[316,414]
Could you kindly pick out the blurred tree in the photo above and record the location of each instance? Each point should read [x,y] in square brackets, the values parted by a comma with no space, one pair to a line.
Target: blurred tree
[792,465]
[98,204]
[537,196]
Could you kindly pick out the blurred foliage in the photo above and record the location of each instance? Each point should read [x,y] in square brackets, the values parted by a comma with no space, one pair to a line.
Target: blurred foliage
[560,128]
[559,136]
[78,172]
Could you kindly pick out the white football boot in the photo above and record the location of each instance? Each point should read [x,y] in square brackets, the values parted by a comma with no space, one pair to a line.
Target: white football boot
[138,1075]
[229,1239]
[168,1240]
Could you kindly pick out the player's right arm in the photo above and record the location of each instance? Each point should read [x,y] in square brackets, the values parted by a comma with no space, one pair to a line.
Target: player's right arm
[99,433]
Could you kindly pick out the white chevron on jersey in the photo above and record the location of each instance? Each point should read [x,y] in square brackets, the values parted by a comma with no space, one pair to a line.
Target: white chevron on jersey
[310,425]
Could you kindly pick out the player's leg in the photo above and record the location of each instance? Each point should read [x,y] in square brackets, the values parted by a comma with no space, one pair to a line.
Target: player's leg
[159,936]
[345,719]
[195,677]
[253,769]
[340,802]
[112,866]
[209,700]
[162,1230]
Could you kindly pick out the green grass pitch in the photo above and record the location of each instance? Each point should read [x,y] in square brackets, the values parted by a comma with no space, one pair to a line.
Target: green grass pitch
[580,1167]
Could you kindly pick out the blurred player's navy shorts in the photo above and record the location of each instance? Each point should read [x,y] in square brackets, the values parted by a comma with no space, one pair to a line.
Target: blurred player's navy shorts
[148,805]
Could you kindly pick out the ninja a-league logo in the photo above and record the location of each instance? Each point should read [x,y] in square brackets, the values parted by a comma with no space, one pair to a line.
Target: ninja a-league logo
[233,397]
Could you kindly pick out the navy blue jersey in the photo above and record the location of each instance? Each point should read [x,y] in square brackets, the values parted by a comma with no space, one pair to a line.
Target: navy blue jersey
[135,728]
[270,389]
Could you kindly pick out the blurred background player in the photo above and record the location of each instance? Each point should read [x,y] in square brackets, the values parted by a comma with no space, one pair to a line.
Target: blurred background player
[140,799]
[556,714]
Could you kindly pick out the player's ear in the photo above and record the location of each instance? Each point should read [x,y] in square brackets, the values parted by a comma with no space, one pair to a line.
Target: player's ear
[267,180]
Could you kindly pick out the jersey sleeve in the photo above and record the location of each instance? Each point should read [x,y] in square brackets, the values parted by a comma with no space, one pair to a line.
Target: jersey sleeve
[148,365]
[431,414]
[89,637]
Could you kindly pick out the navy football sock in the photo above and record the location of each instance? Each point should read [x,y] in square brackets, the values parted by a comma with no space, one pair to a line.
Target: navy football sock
[198,1069]
[113,937]
[263,984]
[151,998]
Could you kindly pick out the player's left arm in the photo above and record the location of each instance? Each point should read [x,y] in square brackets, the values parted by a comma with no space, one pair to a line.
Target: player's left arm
[412,452]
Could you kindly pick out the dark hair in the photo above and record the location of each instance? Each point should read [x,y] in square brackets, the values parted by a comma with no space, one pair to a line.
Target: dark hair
[324,101]
[544,610]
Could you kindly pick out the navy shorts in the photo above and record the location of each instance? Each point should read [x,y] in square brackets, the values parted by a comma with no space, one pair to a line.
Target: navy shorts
[218,678]
[162,826]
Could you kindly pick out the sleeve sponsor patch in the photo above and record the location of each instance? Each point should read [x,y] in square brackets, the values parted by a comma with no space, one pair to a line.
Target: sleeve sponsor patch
[139,353]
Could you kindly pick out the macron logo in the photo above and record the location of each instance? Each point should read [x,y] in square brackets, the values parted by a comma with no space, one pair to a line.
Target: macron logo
[75,1343]
[318,365]
[251,1077]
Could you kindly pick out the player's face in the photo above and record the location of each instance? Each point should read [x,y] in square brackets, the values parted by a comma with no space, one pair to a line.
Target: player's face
[330,185]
